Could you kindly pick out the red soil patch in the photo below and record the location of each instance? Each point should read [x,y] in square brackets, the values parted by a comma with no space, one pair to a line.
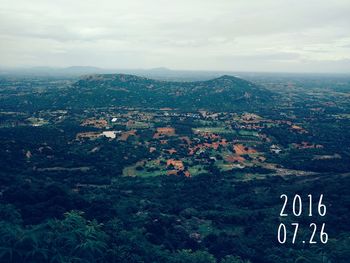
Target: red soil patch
[171,172]
[171,151]
[235,159]
[125,135]
[241,149]
[178,165]
[175,172]
[203,146]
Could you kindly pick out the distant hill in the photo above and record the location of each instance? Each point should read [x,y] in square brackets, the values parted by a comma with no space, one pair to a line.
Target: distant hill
[75,72]
[223,93]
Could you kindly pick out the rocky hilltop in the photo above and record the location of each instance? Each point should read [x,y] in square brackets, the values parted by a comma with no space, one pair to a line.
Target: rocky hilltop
[223,93]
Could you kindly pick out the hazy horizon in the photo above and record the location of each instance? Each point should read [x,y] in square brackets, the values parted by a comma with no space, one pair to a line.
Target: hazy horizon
[236,36]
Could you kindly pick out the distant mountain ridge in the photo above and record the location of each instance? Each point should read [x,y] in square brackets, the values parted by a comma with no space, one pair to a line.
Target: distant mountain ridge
[225,92]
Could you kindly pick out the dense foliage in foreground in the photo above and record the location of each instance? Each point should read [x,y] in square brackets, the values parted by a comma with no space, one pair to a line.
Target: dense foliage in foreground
[207,218]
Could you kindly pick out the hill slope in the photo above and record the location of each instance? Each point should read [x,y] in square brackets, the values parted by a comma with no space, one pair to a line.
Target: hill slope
[224,93]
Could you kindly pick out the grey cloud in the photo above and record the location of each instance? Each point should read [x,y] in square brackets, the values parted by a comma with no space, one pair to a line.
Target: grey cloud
[193,34]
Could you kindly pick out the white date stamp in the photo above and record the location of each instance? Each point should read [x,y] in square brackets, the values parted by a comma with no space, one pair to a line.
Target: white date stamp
[297,208]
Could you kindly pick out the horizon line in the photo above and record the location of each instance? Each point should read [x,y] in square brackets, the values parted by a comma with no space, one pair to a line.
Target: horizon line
[161,68]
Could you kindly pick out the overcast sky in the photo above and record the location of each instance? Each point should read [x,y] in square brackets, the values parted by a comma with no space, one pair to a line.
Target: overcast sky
[247,35]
